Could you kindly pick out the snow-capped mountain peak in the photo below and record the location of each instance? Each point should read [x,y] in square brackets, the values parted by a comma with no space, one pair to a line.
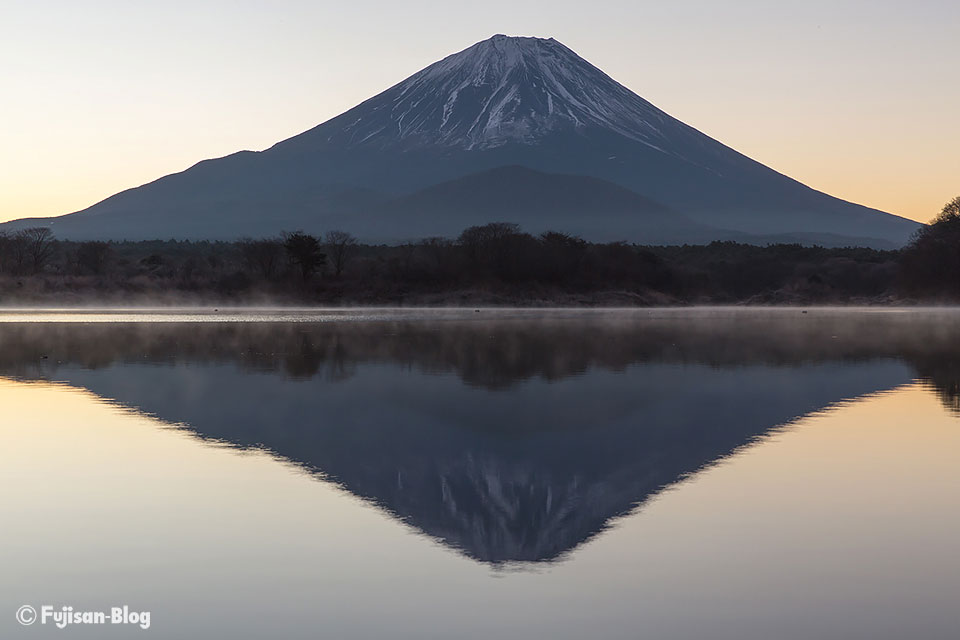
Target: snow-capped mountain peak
[501,90]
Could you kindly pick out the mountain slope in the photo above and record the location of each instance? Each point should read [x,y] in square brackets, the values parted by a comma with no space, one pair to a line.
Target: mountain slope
[504,101]
[536,201]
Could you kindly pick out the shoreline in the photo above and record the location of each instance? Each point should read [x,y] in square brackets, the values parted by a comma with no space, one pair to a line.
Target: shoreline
[465,311]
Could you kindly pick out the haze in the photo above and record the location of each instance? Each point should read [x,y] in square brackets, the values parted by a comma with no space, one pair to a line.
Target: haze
[857,99]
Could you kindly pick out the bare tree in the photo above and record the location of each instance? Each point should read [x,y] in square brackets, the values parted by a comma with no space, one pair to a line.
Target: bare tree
[262,256]
[497,248]
[36,248]
[479,241]
[17,253]
[6,252]
[341,246]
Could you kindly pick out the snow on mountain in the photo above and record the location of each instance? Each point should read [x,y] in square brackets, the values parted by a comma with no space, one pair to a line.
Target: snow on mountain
[506,89]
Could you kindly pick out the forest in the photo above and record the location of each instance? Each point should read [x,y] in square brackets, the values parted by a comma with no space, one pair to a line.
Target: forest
[493,264]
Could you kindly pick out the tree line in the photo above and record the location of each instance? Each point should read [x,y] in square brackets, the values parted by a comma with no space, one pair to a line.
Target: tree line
[496,262]
[931,262]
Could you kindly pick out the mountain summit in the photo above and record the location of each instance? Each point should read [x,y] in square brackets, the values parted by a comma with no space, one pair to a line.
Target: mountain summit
[499,91]
[505,102]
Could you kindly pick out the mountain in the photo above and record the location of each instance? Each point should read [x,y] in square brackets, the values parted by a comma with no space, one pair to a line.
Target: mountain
[504,102]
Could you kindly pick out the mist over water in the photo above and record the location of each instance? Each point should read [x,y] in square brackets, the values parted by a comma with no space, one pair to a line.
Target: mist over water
[723,473]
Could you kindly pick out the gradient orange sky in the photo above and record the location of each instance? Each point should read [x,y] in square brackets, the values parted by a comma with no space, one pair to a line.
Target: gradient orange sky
[859,99]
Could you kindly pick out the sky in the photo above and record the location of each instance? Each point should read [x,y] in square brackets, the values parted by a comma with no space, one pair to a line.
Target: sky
[859,99]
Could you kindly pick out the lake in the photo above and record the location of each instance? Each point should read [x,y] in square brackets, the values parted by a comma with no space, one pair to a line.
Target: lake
[665,474]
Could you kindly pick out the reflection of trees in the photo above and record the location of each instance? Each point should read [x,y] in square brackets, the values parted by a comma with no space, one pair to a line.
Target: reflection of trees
[943,376]
[498,354]
[312,356]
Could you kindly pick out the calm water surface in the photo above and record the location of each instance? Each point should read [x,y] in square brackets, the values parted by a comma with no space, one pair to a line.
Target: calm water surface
[704,473]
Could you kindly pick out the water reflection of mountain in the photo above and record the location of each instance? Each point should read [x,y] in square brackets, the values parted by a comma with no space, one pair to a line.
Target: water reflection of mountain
[509,442]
